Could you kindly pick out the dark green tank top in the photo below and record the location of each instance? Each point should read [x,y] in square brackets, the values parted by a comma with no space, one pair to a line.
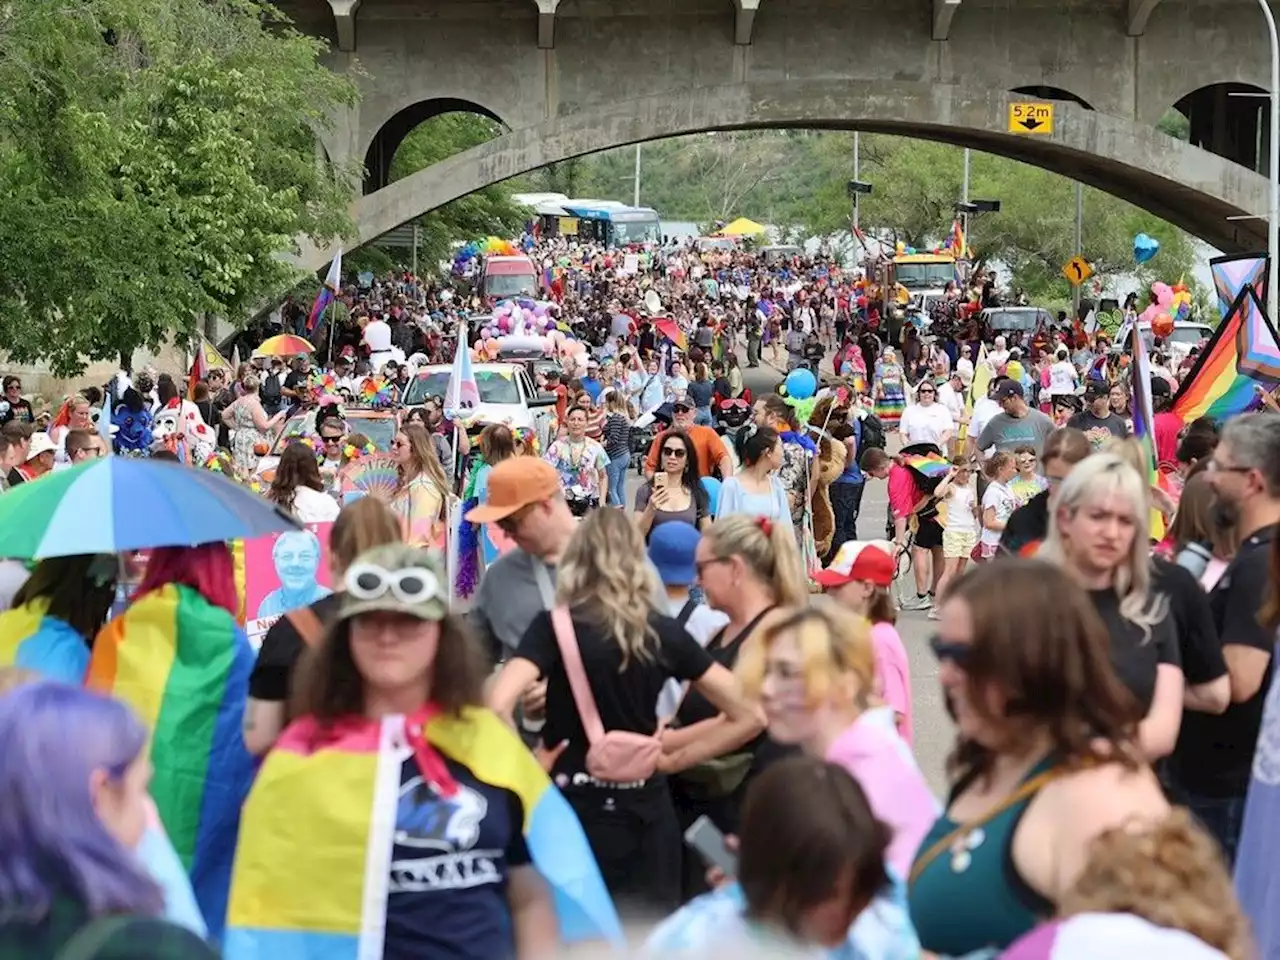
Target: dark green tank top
[971,897]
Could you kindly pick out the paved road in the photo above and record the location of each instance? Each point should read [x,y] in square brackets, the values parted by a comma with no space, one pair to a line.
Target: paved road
[933,729]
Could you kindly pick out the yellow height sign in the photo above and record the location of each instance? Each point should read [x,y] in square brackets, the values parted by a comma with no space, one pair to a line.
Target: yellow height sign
[1032,118]
[1077,270]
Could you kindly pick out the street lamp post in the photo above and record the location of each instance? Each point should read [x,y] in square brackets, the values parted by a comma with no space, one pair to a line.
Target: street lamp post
[1273,213]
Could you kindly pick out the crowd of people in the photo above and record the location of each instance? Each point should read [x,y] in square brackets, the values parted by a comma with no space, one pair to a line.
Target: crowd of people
[708,673]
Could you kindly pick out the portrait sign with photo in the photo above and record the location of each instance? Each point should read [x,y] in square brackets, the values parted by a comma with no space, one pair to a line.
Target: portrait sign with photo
[282,572]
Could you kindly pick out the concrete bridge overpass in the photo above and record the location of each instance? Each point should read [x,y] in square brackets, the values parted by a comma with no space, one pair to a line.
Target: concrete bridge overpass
[569,77]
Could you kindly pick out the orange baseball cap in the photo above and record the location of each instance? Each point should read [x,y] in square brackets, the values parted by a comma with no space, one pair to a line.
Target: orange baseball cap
[514,484]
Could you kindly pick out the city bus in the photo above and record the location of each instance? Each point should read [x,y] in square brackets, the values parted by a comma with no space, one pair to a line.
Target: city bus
[599,221]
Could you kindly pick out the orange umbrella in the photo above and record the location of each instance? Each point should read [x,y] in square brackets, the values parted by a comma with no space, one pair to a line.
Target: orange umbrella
[284,345]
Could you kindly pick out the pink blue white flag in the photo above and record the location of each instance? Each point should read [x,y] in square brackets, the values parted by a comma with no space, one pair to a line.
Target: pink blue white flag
[463,394]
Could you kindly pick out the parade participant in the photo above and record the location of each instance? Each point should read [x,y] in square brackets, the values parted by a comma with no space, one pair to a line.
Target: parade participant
[1098,421]
[361,526]
[14,406]
[1213,772]
[251,425]
[73,415]
[396,665]
[1045,759]
[859,579]
[606,642]
[1063,408]
[756,490]
[81,446]
[423,490]
[1028,525]
[676,493]
[19,436]
[1017,424]
[1064,379]
[617,444]
[298,488]
[438,425]
[713,456]
[811,878]
[672,550]
[39,460]
[497,443]
[888,389]
[815,676]
[580,461]
[1098,534]
[76,810]
[960,529]
[926,420]
[798,450]
[1027,481]
[701,392]
[746,567]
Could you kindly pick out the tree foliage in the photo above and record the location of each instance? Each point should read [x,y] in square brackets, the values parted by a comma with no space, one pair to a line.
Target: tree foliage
[158,157]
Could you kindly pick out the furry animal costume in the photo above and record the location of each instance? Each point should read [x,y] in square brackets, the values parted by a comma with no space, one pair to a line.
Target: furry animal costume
[829,465]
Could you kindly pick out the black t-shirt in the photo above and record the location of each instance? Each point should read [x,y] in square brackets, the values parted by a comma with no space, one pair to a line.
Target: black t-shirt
[1198,644]
[15,477]
[627,699]
[20,411]
[296,379]
[1027,524]
[449,863]
[1135,656]
[1216,752]
[1098,429]
[281,648]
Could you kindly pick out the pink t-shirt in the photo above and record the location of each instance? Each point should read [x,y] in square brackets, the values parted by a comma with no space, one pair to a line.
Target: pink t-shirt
[880,760]
[903,492]
[893,675]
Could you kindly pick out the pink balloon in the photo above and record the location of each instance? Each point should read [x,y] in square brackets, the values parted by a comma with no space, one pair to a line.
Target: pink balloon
[504,324]
[1148,315]
[1163,293]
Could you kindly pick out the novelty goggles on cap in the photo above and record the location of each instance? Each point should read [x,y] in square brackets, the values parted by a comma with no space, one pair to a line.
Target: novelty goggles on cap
[411,586]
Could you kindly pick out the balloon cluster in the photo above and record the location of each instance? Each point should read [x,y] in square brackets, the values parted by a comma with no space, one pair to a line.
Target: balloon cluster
[528,325]
[473,251]
[1169,305]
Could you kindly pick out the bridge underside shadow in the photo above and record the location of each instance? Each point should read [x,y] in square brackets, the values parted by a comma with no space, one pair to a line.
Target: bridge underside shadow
[1191,188]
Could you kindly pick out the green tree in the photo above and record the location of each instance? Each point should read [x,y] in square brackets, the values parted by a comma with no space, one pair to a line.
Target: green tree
[158,156]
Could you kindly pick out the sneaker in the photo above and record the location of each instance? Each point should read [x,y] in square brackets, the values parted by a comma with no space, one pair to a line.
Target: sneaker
[917,603]
[934,614]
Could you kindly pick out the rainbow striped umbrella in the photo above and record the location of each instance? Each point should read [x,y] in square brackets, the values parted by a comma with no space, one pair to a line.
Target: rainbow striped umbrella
[117,504]
[284,345]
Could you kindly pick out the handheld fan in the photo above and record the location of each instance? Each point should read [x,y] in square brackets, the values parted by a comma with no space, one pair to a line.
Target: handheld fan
[369,477]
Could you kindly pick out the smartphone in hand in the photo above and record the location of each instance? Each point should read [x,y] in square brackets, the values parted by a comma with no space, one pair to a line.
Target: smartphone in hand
[705,837]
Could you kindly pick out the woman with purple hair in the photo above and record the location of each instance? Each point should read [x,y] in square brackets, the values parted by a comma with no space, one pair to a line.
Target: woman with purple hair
[74,776]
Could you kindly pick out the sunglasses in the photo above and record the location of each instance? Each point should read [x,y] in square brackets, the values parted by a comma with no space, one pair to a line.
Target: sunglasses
[331,440]
[673,452]
[957,653]
[509,525]
[682,409]
[367,581]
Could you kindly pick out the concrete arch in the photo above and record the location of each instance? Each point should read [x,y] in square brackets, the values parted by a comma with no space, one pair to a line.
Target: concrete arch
[391,133]
[1231,120]
[1055,94]
[1189,187]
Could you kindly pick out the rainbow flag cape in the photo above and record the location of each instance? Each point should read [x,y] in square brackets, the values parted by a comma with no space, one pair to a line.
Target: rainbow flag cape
[313,865]
[1144,420]
[183,665]
[931,465]
[1243,353]
[33,640]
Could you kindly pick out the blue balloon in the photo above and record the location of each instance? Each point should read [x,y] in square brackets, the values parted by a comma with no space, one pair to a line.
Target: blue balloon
[1145,247]
[801,384]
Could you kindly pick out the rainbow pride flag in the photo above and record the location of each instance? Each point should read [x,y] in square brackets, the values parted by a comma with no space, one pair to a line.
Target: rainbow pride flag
[314,861]
[930,465]
[33,640]
[183,665]
[1243,353]
[1144,420]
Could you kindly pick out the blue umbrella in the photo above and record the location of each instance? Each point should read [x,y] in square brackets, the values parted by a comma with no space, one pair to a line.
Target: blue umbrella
[118,504]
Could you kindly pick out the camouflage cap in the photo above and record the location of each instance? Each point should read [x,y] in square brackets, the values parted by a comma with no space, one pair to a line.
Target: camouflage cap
[396,578]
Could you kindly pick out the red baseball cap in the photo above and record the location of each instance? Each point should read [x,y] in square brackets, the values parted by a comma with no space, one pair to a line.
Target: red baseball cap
[860,560]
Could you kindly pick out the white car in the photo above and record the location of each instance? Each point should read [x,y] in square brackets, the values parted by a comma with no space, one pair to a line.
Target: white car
[1186,335]
[507,395]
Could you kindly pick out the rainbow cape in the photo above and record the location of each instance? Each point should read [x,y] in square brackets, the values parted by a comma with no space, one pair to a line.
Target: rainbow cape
[1244,352]
[313,864]
[931,465]
[183,665]
[33,640]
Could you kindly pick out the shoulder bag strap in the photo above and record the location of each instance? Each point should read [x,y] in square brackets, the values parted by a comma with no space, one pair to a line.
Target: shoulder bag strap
[571,654]
[686,611]
[92,937]
[308,625]
[546,589]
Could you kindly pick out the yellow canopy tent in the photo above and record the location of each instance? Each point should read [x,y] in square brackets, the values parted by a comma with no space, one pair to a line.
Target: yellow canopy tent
[742,227]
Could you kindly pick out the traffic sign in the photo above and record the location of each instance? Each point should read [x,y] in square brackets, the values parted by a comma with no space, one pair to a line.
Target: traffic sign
[1077,270]
[1032,118]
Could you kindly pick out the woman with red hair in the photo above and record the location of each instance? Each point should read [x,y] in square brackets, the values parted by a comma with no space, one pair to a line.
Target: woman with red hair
[178,656]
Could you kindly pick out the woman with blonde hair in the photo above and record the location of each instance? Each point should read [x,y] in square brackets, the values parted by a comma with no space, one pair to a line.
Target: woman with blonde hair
[361,526]
[250,423]
[607,635]
[422,496]
[1098,535]
[747,567]
[814,673]
[1045,760]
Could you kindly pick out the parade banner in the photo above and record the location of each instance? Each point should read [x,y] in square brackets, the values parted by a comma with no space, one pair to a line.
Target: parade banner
[282,572]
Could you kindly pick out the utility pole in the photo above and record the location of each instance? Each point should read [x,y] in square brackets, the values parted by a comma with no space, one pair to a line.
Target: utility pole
[964,198]
[1079,242]
[857,171]
[635,196]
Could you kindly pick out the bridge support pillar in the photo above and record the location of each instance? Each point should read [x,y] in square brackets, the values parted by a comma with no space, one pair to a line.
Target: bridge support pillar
[344,20]
[547,23]
[744,21]
[944,11]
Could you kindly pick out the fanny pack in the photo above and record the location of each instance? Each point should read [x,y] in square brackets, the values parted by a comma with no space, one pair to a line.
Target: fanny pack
[615,756]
